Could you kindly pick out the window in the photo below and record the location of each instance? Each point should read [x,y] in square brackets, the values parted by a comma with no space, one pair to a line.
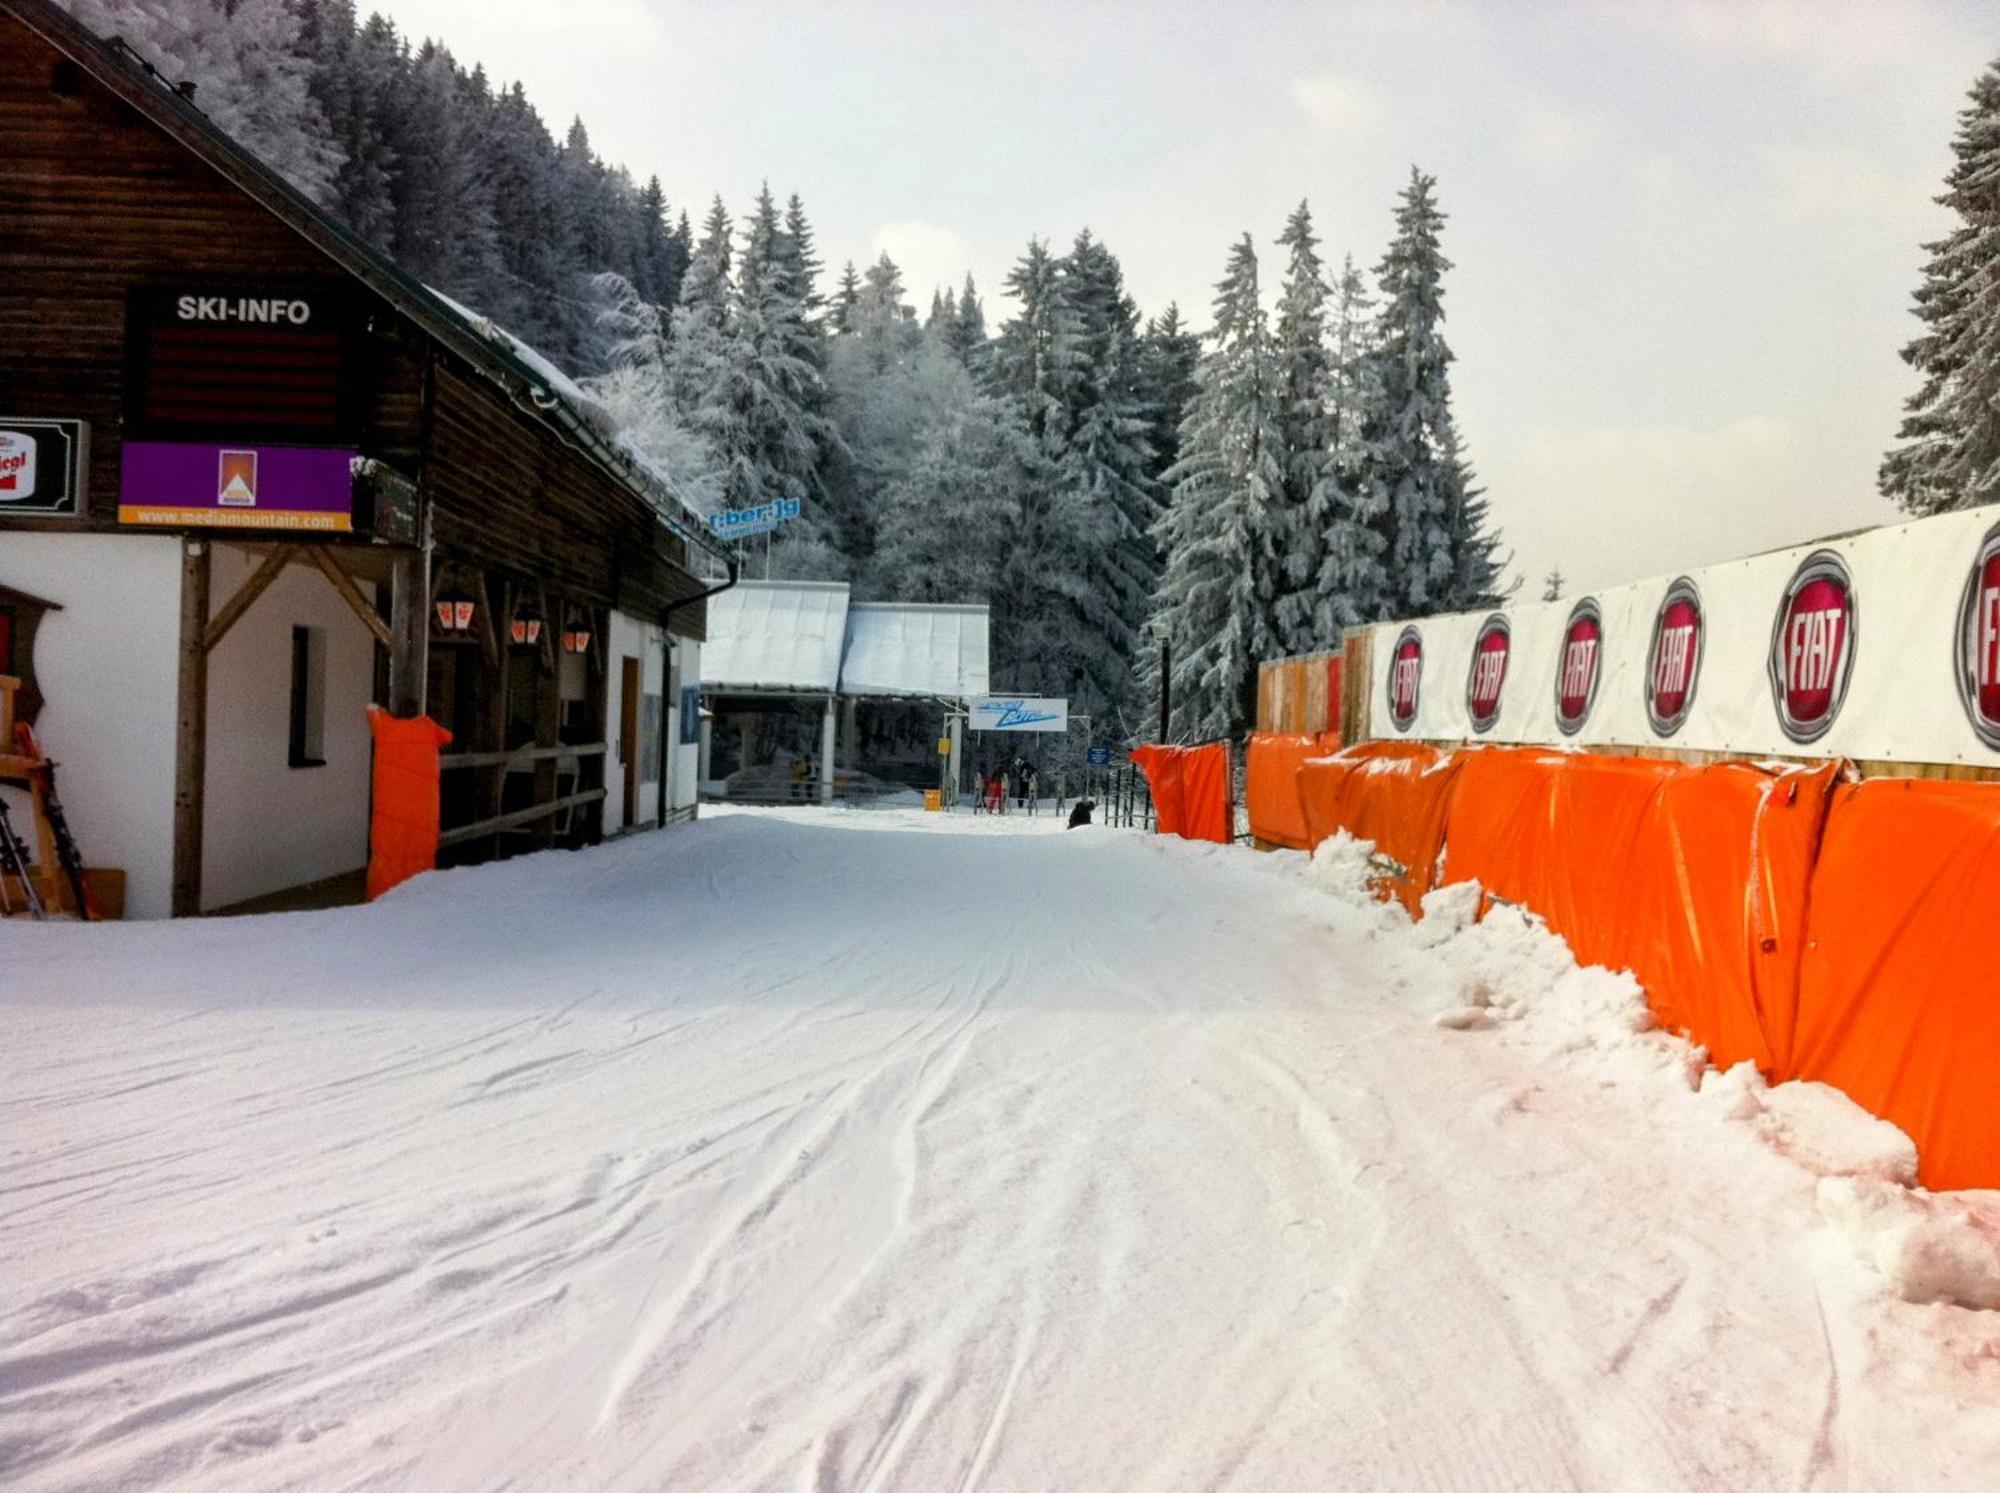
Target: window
[308,740]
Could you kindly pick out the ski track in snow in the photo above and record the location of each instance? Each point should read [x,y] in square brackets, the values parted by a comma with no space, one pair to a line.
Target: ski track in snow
[814,1151]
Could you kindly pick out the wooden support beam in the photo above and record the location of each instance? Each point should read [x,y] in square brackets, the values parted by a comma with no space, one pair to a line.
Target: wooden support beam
[409,632]
[246,595]
[191,728]
[351,594]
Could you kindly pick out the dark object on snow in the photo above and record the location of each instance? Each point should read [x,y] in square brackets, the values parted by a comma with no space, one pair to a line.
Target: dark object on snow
[1081,813]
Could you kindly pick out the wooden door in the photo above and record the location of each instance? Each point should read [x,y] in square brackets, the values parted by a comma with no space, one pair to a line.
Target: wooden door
[628,735]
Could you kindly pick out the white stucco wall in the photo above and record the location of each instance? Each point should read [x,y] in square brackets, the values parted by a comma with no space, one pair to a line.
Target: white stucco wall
[267,825]
[681,778]
[631,638]
[108,669]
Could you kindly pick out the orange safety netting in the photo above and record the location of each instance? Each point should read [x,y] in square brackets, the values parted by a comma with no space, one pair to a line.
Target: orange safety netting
[1271,787]
[403,829]
[1899,989]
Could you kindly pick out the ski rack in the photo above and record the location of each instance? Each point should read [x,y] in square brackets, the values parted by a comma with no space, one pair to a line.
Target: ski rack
[50,886]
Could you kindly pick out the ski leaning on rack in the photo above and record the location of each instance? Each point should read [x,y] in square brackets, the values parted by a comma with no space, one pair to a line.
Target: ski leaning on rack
[67,855]
[14,863]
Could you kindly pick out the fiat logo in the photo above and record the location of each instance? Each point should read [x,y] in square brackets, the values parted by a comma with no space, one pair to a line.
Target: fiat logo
[1812,646]
[1674,662]
[1488,672]
[1979,641]
[1578,669]
[1406,674]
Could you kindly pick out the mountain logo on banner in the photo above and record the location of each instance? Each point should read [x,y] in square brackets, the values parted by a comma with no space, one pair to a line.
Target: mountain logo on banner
[1406,677]
[1490,651]
[236,479]
[1812,646]
[1580,666]
[1979,641]
[1673,665]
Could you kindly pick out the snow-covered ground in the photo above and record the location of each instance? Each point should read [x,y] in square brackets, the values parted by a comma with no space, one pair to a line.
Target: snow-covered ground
[823,1150]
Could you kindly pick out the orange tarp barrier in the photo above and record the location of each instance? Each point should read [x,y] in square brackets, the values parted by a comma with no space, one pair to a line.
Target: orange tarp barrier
[1271,787]
[1726,856]
[1162,767]
[1396,794]
[1693,878]
[403,830]
[1899,989]
[1205,794]
[1190,788]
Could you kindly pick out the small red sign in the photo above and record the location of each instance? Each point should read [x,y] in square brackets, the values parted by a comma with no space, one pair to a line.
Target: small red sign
[1812,647]
[1406,674]
[1490,651]
[1578,669]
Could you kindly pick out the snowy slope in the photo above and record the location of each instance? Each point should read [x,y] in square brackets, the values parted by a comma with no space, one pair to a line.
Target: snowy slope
[948,1155]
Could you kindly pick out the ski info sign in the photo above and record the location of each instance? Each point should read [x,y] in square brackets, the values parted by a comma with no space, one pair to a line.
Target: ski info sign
[1019,713]
[1878,646]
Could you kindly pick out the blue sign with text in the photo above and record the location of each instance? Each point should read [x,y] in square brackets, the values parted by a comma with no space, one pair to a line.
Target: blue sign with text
[741,523]
[1098,756]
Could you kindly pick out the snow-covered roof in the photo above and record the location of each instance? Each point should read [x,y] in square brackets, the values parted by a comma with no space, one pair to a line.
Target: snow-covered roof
[776,635]
[808,637]
[901,648]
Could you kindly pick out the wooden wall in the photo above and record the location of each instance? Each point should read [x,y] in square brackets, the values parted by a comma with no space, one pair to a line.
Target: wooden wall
[96,198]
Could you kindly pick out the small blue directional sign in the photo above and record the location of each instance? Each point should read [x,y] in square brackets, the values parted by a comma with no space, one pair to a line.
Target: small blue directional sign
[1098,756]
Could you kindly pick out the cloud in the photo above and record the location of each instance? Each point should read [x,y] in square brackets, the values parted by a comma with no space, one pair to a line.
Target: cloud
[1551,135]
[931,256]
[1617,503]
[1338,104]
[1831,180]
[1834,38]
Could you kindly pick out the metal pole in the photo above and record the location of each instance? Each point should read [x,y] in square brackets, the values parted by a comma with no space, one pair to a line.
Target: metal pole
[1166,686]
[191,730]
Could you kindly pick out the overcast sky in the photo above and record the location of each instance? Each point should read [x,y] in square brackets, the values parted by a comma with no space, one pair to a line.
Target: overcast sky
[1685,231]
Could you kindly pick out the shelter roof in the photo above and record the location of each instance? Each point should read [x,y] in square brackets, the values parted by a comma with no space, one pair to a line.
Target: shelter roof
[776,635]
[903,648]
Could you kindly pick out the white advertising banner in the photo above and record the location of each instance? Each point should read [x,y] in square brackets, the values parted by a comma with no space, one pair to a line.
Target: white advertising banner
[1019,713]
[1883,645]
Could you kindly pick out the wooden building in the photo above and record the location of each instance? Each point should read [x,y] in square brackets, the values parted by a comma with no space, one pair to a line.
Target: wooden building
[261,478]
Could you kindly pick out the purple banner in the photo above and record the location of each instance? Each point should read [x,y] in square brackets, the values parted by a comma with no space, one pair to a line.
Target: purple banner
[192,483]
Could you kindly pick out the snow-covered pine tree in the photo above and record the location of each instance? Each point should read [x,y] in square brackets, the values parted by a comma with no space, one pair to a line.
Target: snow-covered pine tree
[782,393]
[1168,356]
[1950,456]
[352,71]
[1354,580]
[446,231]
[965,335]
[1107,465]
[250,72]
[1307,498]
[1552,585]
[840,316]
[944,308]
[1225,484]
[1405,486]
[1475,546]
[704,364]
[633,390]
[1036,366]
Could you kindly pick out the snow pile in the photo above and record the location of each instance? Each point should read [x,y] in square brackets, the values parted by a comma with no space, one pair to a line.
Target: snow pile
[1942,1247]
[1509,969]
